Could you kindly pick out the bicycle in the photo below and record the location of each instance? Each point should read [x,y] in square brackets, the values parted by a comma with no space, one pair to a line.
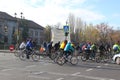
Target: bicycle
[105,56]
[62,59]
[87,55]
[33,54]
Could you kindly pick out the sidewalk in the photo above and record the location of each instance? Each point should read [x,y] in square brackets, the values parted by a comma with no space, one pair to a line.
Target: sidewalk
[6,51]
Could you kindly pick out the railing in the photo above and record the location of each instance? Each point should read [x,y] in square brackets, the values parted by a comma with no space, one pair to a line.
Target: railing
[4,46]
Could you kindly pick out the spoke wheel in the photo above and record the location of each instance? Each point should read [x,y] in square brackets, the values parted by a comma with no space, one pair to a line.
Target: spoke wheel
[53,56]
[83,58]
[74,60]
[22,56]
[16,53]
[61,61]
[35,57]
[97,59]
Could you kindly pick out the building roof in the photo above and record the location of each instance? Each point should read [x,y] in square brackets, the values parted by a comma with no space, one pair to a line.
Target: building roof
[4,15]
[31,24]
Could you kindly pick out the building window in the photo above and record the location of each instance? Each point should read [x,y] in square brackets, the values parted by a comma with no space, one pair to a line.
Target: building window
[36,33]
[31,33]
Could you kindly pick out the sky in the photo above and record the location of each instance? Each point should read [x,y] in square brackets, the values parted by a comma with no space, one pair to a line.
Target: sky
[51,12]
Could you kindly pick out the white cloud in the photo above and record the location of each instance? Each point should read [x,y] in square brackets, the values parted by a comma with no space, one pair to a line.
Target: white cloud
[48,11]
[116,15]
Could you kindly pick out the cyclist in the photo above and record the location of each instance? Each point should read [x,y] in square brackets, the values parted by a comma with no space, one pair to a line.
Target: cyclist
[29,47]
[116,48]
[57,45]
[87,50]
[63,44]
[22,45]
[49,47]
[102,50]
[45,46]
[93,50]
[69,49]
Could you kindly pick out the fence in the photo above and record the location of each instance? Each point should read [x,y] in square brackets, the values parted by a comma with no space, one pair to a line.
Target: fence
[4,46]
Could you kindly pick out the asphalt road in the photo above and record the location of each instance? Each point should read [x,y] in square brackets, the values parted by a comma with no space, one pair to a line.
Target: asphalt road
[12,68]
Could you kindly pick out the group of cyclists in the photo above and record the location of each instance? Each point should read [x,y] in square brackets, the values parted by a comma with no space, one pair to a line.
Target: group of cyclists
[68,48]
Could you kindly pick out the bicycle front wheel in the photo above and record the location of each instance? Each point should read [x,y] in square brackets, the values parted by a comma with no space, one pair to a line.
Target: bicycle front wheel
[61,60]
[23,56]
[35,57]
[74,60]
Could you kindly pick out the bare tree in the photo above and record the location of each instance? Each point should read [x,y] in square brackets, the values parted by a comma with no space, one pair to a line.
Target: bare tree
[104,31]
[48,33]
[71,20]
[78,29]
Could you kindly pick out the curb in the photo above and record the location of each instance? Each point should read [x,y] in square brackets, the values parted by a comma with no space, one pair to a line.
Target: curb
[6,51]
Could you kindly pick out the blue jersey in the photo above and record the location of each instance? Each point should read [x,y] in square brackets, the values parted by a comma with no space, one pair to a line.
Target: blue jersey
[29,44]
[68,47]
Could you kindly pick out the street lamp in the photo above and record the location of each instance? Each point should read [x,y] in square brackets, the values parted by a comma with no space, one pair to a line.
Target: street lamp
[17,28]
[21,15]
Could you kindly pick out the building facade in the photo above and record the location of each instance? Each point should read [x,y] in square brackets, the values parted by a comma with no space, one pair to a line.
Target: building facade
[11,29]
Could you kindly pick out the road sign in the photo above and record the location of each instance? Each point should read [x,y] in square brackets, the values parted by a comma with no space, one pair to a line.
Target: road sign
[66,28]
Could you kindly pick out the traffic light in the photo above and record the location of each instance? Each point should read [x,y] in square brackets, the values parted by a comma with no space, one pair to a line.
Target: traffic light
[66,33]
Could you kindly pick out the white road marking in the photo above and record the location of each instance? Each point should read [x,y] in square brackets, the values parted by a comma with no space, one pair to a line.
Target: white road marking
[98,66]
[30,66]
[54,73]
[38,73]
[89,69]
[77,73]
[84,76]
[7,69]
[60,79]
[93,78]
[111,79]
[45,78]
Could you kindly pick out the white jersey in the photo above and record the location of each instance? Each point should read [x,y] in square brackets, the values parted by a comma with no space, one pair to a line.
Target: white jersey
[22,45]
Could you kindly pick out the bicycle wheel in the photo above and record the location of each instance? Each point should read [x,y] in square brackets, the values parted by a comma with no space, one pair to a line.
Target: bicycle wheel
[35,57]
[98,59]
[83,57]
[53,56]
[23,56]
[56,57]
[61,60]
[16,52]
[74,60]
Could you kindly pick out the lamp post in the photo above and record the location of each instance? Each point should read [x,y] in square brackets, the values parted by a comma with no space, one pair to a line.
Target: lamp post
[17,24]
[18,27]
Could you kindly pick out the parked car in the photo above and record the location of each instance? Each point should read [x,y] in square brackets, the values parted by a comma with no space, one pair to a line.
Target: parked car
[116,58]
